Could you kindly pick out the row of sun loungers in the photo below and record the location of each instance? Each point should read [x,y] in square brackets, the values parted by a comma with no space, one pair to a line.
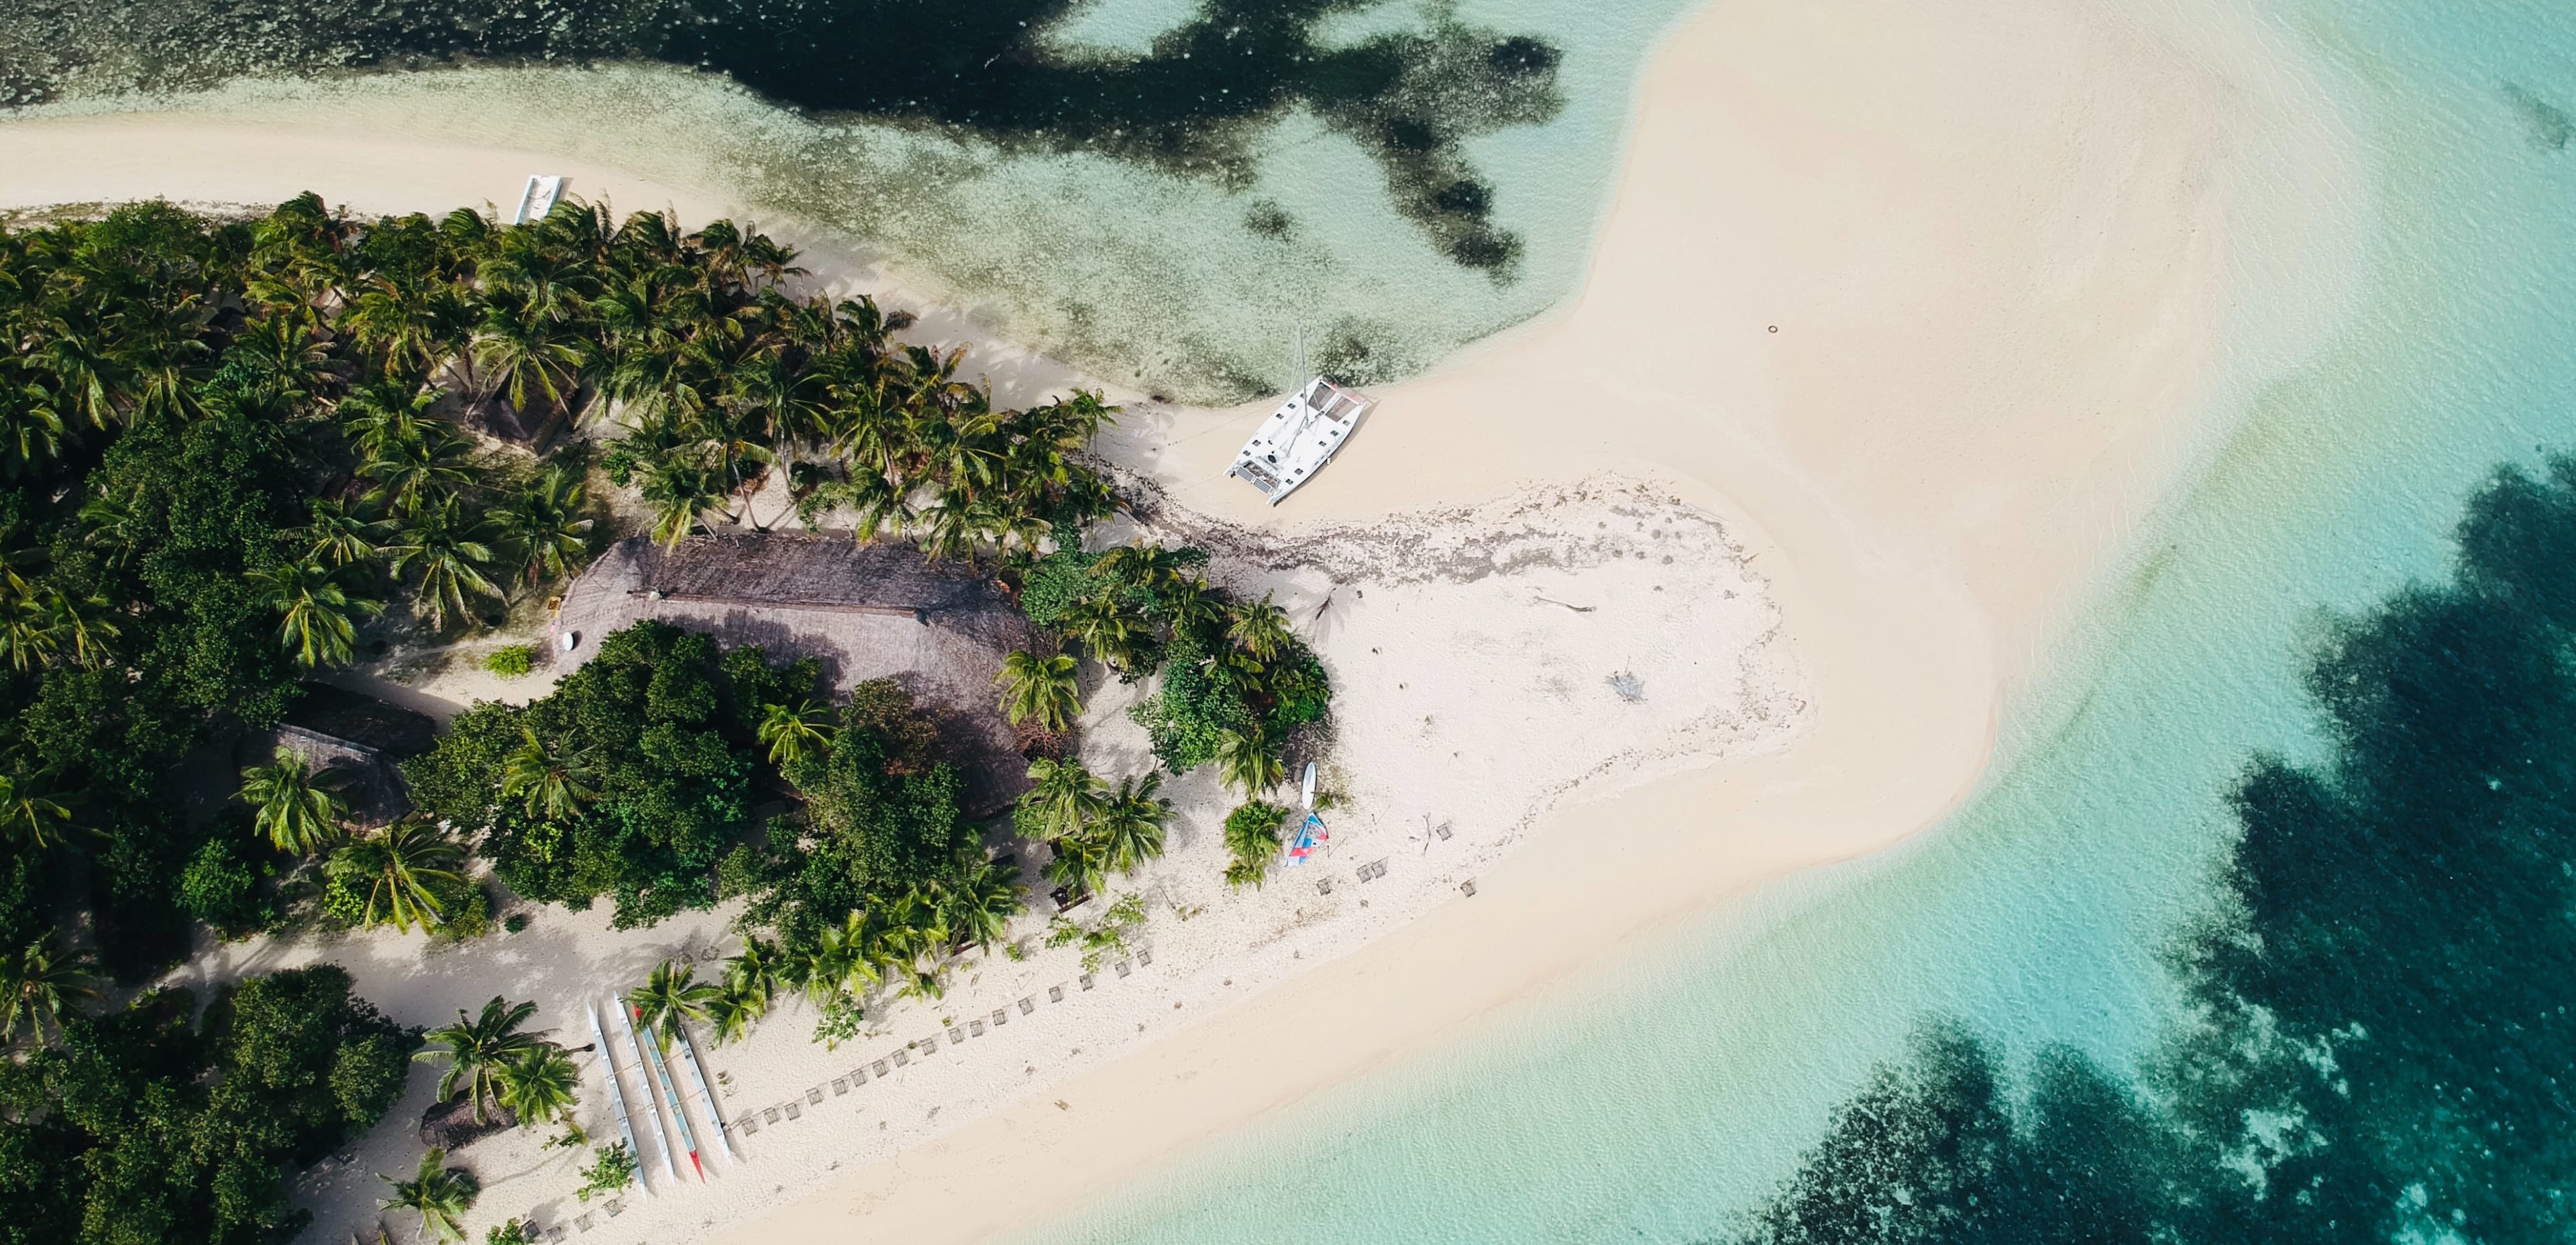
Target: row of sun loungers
[751,1122]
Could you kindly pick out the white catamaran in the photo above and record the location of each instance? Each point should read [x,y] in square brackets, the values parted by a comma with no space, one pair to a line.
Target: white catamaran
[1299,438]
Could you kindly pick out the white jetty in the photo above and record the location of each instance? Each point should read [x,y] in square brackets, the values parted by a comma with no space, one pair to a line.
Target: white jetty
[538,198]
[1299,438]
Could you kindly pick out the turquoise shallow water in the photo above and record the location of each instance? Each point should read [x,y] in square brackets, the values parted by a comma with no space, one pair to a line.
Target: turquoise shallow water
[1663,1099]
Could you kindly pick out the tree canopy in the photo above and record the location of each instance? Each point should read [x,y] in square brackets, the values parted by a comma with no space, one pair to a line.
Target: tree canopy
[141,1127]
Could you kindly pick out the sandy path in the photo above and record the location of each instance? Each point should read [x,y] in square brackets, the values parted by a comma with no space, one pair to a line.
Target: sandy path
[1919,297]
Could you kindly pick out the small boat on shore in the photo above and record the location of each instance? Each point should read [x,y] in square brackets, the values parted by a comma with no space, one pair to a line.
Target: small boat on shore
[537,198]
[1299,438]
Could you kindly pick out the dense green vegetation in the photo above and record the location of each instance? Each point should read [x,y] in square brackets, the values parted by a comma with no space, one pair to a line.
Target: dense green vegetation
[229,448]
[2379,1034]
[145,1126]
[1237,682]
[628,782]
[226,446]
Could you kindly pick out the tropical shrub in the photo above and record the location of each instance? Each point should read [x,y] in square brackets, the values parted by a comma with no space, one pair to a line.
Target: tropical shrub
[612,1168]
[1252,839]
[511,661]
[222,887]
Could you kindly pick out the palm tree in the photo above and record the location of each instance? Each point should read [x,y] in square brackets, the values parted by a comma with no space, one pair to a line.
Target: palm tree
[27,629]
[750,985]
[432,463]
[839,963]
[1140,567]
[671,995]
[77,623]
[31,430]
[444,546]
[556,786]
[382,418]
[1259,628]
[398,864]
[1080,863]
[543,524]
[1106,624]
[317,619]
[1252,837]
[1130,829]
[32,809]
[1065,795]
[1244,761]
[914,942]
[541,1087]
[789,732]
[683,494]
[978,904]
[441,1194]
[480,1051]
[1042,688]
[297,808]
[337,537]
[527,355]
[40,983]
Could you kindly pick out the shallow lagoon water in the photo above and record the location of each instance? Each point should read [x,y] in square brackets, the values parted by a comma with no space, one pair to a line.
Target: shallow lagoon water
[1663,1099]
[1192,285]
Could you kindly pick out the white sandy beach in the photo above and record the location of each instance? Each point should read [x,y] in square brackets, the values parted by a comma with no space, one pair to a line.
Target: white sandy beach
[1909,306]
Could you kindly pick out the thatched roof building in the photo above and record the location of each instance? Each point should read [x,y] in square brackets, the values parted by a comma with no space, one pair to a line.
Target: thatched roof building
[358,737]
[865,611]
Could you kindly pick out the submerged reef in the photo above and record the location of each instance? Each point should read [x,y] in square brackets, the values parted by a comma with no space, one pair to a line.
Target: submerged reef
[2378,1030]
[1196,103]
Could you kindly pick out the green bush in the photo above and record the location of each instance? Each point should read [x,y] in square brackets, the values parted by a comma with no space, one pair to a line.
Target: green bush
[222,887]
[512,661]
[882,818]
[612,1170]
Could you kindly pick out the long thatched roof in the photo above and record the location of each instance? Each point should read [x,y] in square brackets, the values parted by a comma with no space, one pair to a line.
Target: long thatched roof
[810,572]
[874,611]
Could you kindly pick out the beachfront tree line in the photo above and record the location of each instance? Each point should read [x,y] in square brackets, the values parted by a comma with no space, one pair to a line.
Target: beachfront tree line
[2377,1029]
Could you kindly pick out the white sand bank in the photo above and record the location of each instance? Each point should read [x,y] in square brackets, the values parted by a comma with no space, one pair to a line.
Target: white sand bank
[1992,239]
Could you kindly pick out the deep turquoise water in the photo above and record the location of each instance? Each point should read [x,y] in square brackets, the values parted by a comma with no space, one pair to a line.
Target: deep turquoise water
[1663,1099]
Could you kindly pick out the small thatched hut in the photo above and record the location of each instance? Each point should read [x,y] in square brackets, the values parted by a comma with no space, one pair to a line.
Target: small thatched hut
[360,737]
[865,611]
